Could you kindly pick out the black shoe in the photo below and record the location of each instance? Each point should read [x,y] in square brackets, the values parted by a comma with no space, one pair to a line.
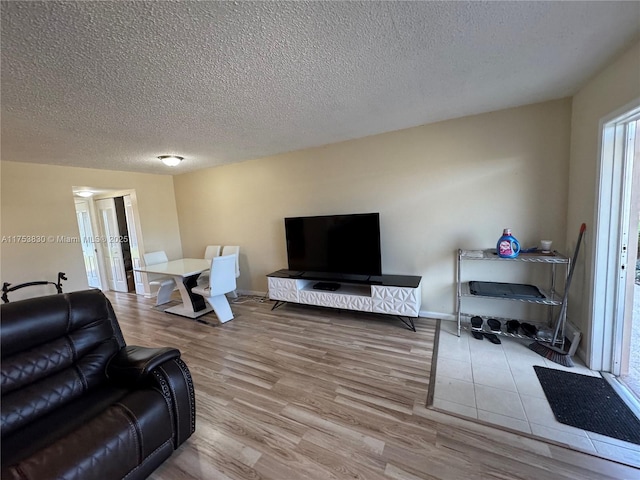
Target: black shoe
[512,326]
[493,338]
[477,335]
[476,323]
[494,324]
[528,329]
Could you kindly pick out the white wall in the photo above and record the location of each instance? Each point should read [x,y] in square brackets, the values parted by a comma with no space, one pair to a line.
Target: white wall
[37,200]
[612,88]
[438,187]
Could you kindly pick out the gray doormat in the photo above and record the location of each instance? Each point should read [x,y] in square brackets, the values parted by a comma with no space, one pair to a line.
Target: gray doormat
[589,403]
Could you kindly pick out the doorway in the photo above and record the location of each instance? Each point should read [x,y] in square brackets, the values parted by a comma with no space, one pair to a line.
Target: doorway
[89,252]
[109,231]
[616,318]
[113,244]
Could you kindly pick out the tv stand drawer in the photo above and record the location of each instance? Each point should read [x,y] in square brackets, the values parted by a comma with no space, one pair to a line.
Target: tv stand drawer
[396,300]
[344,301]
[284,289]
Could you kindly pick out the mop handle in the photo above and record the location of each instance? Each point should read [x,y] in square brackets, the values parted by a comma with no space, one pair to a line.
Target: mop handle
[565,299]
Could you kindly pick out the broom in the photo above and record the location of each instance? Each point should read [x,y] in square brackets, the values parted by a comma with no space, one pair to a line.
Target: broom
[555,354]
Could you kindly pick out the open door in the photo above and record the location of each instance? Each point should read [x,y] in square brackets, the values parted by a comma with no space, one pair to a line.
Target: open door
[89,251]
[629,338]
[110,243]
[133,244]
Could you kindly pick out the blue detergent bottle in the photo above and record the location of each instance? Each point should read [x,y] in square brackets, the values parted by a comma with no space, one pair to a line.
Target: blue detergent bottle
[508,246]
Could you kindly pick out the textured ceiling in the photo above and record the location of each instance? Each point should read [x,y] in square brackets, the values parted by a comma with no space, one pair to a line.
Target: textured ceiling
[114,84]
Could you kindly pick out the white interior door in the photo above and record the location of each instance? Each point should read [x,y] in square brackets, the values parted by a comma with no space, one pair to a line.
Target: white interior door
[88,245]
[111,245]
[133,244]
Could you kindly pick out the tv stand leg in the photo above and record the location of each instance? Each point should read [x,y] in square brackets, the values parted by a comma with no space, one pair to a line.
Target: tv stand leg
[278,303]
[408,323]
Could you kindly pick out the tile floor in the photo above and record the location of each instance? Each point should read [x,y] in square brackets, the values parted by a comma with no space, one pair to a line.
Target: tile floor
[497,384]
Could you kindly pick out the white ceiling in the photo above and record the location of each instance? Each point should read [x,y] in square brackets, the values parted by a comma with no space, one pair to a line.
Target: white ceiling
[114,84]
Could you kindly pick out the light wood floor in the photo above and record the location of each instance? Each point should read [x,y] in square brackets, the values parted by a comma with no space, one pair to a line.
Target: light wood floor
[312,393]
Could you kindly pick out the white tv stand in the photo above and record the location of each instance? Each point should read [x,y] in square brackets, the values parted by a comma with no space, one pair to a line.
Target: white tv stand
[398,295]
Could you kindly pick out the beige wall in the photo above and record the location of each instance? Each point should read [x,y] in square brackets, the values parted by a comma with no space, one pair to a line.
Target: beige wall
[438,187]
[614,87]
[37,200]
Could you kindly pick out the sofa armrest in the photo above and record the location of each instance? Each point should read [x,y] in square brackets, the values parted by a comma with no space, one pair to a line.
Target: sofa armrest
[163,370]
[131,364]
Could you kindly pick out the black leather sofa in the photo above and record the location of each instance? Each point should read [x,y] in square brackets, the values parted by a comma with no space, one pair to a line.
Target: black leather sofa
[77,403]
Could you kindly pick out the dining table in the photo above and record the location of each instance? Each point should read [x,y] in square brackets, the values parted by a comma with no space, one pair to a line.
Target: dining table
[185,272]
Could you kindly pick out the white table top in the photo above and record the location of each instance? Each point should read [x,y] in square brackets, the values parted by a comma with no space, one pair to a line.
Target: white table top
[185,267]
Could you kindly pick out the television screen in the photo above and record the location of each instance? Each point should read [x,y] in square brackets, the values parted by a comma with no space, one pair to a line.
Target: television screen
[347,244]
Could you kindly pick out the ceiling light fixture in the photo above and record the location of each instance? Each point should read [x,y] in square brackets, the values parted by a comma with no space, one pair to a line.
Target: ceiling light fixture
[84,193]
[170,160]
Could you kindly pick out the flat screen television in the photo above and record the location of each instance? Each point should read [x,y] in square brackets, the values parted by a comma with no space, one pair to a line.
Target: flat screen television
[348,244]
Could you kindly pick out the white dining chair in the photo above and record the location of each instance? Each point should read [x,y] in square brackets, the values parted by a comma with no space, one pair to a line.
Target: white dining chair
[212,251]
[233,250]
[165,284]
[222,280]
[209,252]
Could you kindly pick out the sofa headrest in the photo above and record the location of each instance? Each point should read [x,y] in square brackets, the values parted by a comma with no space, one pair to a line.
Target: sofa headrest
[54,315]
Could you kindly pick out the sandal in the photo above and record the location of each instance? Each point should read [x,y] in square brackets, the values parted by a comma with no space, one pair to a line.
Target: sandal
[528,329]
[493,338]
[476,328]
[512,326]
[476,323]
[494,324]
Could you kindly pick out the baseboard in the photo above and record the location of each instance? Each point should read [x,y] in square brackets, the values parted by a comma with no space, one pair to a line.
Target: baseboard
[438,315]
[251,292]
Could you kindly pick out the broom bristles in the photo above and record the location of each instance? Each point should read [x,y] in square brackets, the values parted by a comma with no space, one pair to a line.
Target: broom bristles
[554,354]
